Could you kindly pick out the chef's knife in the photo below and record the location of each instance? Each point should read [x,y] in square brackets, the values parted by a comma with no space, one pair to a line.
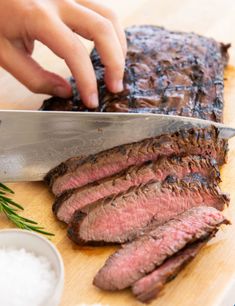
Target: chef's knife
[33,142]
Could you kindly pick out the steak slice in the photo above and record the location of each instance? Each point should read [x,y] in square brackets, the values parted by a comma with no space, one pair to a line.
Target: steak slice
[77,172]
[166,72]
[147,288]
[143,255]
[123,217]
[65,205]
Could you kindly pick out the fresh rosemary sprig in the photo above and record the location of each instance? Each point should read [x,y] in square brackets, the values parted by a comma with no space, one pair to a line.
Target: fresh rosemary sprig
[10,208]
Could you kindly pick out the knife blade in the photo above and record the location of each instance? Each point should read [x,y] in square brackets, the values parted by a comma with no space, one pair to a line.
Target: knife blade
[33,142]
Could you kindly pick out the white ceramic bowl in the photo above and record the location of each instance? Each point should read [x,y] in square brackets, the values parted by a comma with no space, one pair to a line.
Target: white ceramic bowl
[41,246]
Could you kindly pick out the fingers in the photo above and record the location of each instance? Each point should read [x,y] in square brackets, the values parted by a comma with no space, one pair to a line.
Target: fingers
[63,42]
[95,27]
[110,15]
[25,45]
[88,19]
[28,72]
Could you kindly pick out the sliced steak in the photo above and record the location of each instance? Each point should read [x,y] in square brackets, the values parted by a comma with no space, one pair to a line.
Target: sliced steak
[166,72]
[77,172]
[147,288]
[121,218]
[65,205]
[143,255]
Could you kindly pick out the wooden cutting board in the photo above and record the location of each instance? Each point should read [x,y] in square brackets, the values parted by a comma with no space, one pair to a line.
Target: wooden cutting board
[210,279]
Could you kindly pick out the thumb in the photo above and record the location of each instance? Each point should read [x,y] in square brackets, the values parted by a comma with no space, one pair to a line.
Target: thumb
[25,69]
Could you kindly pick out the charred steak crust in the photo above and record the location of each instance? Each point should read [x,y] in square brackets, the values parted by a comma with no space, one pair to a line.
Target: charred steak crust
[166,72]
[77,172]
[123,217]
[70,201]
[143,255]
[73,231]
[117,196]
[68,166]
[148,288]
[62,199]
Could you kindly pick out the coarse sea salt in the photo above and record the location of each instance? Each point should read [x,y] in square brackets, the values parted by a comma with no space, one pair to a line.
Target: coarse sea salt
[25,278]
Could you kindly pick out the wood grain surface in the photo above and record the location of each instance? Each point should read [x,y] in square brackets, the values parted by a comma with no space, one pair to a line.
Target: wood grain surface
[210,278]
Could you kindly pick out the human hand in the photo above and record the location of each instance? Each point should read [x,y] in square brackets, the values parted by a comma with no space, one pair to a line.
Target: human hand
[56,24]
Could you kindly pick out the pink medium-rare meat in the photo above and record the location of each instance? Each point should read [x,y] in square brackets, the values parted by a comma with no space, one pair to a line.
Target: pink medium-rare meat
[77,172]
[148,288]
[122,218]
[65,205]
[140,257]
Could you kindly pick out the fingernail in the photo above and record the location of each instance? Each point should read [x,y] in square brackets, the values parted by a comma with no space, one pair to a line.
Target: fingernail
[93,100]
[118,86]
[61,92]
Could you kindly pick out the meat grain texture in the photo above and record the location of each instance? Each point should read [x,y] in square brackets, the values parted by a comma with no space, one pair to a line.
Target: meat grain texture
[140,257]
[127,214]
[159,196]
[75,199]
[149,286]
[77,172]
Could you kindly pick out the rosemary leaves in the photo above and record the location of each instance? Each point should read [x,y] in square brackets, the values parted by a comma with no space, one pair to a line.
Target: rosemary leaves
[11,208]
